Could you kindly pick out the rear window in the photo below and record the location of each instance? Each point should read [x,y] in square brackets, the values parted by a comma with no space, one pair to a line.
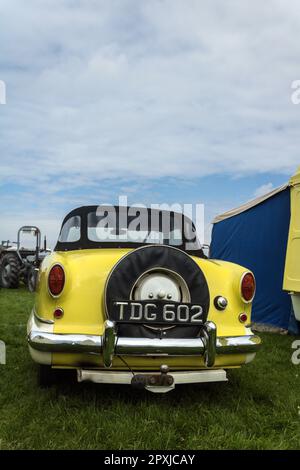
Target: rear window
[71,230]
[140,227]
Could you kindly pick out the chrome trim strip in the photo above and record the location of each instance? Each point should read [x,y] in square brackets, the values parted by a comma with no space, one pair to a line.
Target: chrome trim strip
[209,332]
[108,343]
[42,320]
[238,344]
[53,342]
[160,347]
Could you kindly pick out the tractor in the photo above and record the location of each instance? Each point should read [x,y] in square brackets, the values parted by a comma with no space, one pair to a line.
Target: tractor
[21,264]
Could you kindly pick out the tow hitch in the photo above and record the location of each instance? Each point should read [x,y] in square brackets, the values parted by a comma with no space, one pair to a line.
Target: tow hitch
[157,383]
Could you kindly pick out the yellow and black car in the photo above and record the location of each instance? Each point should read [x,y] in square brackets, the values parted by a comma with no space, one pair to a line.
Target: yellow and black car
[128,297]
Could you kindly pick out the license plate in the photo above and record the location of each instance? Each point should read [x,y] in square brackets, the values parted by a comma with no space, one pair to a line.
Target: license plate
[159,312]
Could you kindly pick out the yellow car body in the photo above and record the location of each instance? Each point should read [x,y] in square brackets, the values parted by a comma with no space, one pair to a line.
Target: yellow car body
[85,317]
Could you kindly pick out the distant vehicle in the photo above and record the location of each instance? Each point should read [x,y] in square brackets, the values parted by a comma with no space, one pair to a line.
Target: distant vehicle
[21,264]
[123,302]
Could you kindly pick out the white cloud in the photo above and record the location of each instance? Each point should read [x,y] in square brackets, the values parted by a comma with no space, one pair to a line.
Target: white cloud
[124,89]
[147,89]
[263,189]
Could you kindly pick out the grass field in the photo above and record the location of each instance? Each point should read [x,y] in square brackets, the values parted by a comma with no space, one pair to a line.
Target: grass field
[258,409]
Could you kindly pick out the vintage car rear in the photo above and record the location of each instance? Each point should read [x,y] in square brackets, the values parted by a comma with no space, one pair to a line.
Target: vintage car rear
[128,297]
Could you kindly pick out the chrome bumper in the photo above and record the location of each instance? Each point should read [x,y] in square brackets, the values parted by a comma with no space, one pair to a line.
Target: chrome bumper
[125,378]
[109,345]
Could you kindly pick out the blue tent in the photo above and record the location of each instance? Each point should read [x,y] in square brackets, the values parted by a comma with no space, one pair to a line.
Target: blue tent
[255,236]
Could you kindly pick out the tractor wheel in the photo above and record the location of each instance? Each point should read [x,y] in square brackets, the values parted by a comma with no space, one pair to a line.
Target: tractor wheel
[31,279]
[9,271]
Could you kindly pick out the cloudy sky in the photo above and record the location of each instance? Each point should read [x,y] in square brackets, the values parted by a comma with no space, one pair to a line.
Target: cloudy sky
[162,100]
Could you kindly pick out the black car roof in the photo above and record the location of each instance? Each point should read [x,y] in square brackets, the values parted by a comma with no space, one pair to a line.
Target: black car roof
[85,243]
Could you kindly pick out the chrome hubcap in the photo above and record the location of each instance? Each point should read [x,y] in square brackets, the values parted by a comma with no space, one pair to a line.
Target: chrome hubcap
[161,285]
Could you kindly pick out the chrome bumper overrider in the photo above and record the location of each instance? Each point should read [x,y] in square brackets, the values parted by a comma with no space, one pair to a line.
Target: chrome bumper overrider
[109,345]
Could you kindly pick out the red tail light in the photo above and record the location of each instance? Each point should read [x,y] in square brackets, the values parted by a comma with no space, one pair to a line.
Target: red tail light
[248,287]
[56,279]
[243,317]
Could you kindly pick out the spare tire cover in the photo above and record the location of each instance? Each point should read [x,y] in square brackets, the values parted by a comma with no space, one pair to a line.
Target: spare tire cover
[128,270]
